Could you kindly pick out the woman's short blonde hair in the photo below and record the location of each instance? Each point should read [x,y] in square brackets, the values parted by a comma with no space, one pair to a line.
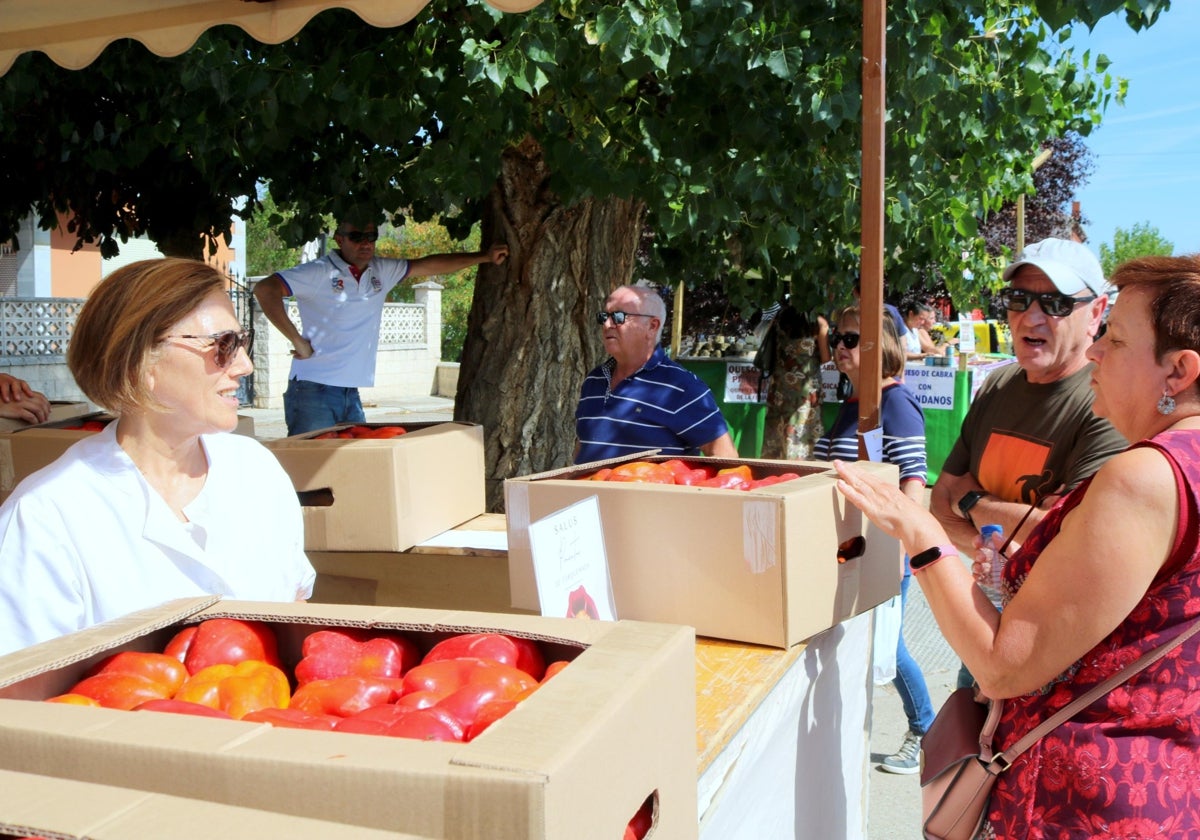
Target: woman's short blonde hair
[123,321]
[892,355]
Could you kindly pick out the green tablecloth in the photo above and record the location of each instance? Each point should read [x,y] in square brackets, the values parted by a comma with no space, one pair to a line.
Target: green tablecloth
[745,419]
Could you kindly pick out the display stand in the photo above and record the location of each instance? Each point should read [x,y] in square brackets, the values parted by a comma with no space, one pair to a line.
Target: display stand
[734,383]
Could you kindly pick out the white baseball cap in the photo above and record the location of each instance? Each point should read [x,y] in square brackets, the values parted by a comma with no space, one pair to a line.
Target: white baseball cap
[1069,265]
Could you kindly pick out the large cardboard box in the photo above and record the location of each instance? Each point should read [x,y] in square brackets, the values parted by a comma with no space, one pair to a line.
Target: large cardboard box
[463,568]
[26,450]
[59,410]
[759,566]
[572,761]
[69,810]
[385,495]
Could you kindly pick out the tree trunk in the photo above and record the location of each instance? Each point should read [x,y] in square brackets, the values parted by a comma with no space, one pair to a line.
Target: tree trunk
[532,334]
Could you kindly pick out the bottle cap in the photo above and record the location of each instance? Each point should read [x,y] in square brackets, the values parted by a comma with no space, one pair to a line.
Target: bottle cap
[987,531]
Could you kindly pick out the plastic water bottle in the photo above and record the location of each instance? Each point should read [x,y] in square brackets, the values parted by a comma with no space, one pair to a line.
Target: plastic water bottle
[993,536]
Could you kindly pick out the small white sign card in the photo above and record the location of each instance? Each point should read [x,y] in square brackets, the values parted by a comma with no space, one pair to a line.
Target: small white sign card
[570,565]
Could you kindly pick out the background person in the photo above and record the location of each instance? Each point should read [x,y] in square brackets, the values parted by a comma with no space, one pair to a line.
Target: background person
[918,317]
[162,503]
[18,401]
[639,399]
[793,420]
[903,427]
[341,297]
[1112,571]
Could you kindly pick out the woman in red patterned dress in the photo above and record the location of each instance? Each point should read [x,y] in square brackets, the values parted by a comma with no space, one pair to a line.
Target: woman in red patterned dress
[1110,573]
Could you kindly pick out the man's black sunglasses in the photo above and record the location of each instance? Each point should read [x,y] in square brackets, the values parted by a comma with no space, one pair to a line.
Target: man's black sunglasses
[1054,304]
[618,318]
[357,236]
[850,339]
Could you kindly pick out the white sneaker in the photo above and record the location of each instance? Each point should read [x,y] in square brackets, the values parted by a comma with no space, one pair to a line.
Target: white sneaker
[907,759]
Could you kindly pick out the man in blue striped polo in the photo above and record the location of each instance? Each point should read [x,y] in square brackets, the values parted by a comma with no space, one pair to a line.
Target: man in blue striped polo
[638,399]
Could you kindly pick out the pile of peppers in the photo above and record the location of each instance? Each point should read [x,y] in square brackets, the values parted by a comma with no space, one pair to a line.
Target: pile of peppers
[676,471]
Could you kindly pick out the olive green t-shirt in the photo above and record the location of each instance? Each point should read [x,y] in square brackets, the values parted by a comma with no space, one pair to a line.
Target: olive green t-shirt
[1023,441]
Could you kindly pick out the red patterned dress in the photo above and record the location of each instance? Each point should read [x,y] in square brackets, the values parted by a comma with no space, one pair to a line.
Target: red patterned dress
[1128,766]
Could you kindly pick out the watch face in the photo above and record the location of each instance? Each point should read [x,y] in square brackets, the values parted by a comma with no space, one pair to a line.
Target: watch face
[918,561]
[968,501]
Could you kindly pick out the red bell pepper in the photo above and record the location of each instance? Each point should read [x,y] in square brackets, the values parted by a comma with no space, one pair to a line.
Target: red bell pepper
[467,684]
[182,707]
[225,641]
[508,650]
[238,689]
[345,696]
[489,713]
[767,481]
[355,653]
[292,718]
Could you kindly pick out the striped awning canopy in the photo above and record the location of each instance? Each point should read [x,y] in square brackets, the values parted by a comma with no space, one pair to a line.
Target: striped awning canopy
[74,32]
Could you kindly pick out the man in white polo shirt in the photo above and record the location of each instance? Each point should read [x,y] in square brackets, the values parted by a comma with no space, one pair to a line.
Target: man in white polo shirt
[341,297]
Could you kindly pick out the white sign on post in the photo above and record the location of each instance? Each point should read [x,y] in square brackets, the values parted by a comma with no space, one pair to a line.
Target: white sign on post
[933,386]
[966,335]
[570,565]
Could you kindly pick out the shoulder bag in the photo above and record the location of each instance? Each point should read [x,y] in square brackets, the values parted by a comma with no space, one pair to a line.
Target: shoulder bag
[958,767]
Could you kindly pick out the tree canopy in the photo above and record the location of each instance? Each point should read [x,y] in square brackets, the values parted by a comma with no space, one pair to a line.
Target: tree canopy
[1141,240]
[735,124]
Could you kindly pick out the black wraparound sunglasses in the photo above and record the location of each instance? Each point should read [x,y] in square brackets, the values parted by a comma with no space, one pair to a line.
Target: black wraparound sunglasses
[618,318]
[357,236]
[850,339]
[1054,304]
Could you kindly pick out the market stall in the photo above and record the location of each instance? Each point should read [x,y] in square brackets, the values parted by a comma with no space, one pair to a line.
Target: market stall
[734,381]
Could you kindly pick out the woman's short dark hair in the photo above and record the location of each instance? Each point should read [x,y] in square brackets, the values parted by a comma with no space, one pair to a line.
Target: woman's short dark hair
[1173,284]
[124,319]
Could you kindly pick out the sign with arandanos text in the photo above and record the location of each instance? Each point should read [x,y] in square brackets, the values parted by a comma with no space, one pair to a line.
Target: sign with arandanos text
[934,386]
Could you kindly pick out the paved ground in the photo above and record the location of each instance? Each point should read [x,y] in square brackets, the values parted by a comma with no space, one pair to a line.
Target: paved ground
[895,801]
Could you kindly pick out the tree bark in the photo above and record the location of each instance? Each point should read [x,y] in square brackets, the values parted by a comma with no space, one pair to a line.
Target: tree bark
[532,334]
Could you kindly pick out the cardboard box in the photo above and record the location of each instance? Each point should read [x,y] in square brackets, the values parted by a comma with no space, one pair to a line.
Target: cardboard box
[573,760]
[26,450]
[59,410]
[460,572]
[385,495]
[69,810]
[757,566]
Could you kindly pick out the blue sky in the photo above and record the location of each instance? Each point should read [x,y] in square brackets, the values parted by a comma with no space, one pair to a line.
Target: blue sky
[1147,152]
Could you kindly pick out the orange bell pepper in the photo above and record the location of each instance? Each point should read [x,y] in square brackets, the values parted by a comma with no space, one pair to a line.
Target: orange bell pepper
[121,691]
[238,689]
[159,667]
[344,696]
[644,472]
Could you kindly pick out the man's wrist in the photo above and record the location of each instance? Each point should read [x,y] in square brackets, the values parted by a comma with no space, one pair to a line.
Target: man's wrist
[968,501]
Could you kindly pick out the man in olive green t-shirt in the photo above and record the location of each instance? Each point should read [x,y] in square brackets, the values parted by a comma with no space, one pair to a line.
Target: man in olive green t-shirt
[1030,435]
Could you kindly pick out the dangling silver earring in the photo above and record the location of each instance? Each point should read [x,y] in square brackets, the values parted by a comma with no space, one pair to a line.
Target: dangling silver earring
[1166,404]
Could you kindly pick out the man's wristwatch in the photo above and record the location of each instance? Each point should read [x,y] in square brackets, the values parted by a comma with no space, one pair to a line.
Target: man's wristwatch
[969,501]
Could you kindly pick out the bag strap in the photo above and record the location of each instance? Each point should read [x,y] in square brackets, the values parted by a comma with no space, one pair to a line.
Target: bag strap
[1001,761]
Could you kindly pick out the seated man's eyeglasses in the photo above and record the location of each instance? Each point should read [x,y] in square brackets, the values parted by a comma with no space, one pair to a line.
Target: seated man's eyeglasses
[357,236]
[1054,304]
[618,317]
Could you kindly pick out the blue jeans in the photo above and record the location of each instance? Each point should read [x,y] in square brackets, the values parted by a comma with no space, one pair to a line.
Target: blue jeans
[909,681]
[308,406]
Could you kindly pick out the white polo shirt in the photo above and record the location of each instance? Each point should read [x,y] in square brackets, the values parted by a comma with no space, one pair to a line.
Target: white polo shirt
[340,316]
[86,539]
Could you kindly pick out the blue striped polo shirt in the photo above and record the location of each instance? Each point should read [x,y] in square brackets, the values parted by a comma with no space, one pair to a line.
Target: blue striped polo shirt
[662,406]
